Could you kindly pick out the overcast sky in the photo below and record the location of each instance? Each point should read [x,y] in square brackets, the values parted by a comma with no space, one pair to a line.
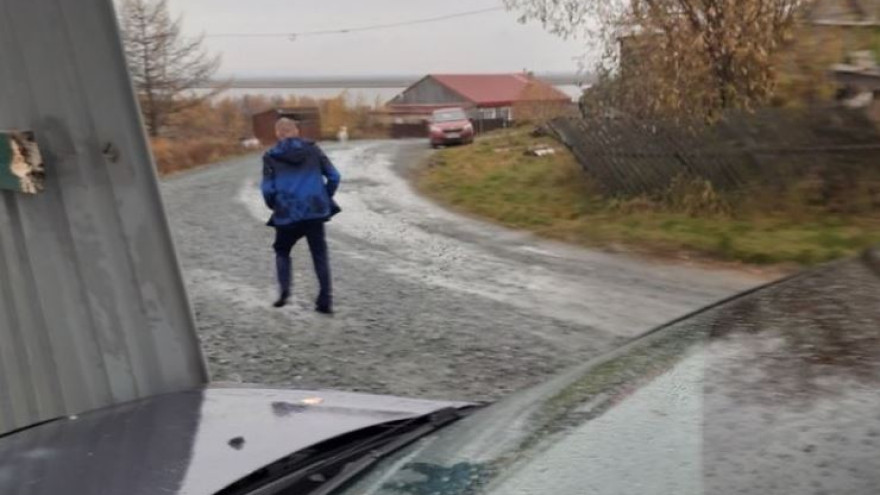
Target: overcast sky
[489,42]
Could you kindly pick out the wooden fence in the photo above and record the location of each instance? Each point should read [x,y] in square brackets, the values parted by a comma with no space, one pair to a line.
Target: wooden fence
[408,130]
[482,126]
[631,157]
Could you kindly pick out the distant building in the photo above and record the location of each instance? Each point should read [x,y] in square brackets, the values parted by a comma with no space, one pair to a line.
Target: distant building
[853,26]
[844,26]
[845,13]
[307,118]
[483,96]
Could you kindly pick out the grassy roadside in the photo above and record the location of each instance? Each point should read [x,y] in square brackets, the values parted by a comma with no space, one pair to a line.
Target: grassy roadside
[174,156]
[552,197]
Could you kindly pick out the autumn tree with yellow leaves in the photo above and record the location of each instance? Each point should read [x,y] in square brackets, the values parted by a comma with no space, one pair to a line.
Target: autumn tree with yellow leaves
[693,58]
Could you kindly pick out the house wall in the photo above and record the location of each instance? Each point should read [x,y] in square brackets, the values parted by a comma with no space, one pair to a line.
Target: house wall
[492,113]
[845,11]
[428,91]
[841,24]
[803,65]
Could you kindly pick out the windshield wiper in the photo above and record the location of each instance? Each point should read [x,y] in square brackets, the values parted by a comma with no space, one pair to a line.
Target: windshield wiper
[329,465]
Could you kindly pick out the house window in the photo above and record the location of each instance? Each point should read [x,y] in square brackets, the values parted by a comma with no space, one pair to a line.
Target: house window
[489,113]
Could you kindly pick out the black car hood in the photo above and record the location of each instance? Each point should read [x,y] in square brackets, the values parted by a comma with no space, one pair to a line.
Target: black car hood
[195,442]
[773,391]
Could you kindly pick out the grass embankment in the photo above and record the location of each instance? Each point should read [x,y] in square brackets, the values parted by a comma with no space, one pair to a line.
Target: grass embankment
[552,197]
[174,156]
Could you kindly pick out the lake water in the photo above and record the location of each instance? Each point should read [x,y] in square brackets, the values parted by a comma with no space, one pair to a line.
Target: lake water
[368,95]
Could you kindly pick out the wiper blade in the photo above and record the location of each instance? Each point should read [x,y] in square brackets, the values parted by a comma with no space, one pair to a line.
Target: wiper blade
[324,468]
[439,420]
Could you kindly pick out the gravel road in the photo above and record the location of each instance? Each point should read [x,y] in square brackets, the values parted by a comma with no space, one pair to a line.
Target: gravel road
[429,303]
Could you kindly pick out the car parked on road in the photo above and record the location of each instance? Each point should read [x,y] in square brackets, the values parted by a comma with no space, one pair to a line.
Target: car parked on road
[450,126]
[773,391]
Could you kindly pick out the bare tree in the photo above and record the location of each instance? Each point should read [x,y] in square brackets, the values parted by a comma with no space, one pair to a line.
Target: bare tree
[696,57]
[165,66]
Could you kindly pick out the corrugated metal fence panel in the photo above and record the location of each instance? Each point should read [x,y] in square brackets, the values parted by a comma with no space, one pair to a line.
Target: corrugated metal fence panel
[93,309]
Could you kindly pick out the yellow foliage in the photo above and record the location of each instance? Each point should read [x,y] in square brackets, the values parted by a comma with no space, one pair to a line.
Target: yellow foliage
[335,113]
[537,104]
[175,155]
[207,131]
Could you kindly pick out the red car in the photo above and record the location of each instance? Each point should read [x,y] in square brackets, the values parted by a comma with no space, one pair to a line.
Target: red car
[450,125]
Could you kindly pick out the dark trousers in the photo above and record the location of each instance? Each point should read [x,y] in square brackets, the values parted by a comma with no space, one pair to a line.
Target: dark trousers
[285,238]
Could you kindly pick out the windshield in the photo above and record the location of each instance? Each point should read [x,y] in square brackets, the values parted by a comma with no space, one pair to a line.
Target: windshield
[689,408]
[449,115]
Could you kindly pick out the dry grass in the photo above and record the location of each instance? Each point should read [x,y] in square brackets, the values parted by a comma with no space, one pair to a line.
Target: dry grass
[551,196]
[175,155]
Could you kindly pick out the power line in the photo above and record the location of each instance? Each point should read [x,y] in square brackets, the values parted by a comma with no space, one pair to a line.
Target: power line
[375,27]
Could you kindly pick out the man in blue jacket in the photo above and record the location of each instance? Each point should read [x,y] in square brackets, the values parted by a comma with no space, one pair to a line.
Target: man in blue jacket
[301,200]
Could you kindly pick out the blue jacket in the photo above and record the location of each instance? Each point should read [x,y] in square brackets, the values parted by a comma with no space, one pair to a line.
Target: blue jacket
[293,183]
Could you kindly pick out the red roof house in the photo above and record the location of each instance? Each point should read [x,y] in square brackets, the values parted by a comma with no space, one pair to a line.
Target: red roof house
[484,95]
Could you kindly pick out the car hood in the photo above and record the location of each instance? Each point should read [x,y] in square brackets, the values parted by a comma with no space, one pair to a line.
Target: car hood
[193,442]
[773,391]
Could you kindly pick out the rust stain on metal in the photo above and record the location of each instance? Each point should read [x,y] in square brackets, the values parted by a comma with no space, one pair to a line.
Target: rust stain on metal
[21,163]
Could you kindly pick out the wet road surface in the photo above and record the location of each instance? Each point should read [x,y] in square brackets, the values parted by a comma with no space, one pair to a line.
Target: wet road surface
[429,303]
